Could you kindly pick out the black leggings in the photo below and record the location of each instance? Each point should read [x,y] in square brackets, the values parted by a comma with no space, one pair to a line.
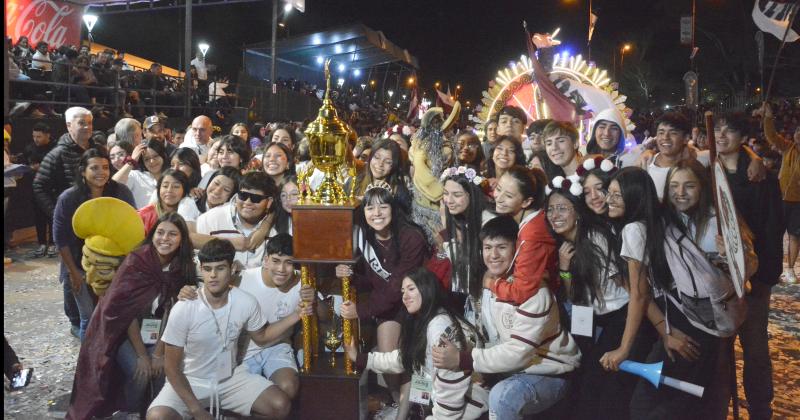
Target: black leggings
[649,402]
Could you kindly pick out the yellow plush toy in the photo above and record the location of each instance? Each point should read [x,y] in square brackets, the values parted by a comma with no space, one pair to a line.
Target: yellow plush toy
[111,229]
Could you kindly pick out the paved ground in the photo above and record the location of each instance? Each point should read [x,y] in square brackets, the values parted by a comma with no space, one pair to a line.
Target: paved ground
[35,326]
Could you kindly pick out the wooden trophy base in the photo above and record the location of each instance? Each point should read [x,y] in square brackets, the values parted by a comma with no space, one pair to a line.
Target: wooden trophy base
[327,393]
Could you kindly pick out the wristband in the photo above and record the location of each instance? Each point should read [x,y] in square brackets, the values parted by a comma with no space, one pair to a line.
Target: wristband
[564,275]
[129,161]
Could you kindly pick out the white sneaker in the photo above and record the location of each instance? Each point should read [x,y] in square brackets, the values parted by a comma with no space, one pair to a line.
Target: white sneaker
[388,412]
[789,277]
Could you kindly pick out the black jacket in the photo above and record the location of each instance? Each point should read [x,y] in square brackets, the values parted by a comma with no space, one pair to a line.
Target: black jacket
[35,154]
[759,203]
[57,172]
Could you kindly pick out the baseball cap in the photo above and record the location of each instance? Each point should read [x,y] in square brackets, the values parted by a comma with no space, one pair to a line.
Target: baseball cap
[153,120]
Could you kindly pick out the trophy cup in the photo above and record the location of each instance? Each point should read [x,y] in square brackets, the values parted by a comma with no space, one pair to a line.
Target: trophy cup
[323,219]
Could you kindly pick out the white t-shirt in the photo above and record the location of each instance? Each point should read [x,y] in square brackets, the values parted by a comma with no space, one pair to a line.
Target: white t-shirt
[142,185]
[274,304]
[191,325]
[614,296]
[659,174]
[202,70]
[187,208]
[222,221]
[634,237]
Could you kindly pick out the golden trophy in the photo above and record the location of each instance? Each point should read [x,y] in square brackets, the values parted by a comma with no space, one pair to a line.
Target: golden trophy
[327,138]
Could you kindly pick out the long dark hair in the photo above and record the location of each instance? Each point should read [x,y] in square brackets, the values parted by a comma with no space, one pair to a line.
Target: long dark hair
[519,155]
[227,171]
[396,178]
[591,262]
[161,150]
[178,176]
[188,157]
[642,205]
[290,169]
[185,252]
[701,214]
[400,220]
[467,251]
[111,188]
[414,329]
[282,217]
[471,137]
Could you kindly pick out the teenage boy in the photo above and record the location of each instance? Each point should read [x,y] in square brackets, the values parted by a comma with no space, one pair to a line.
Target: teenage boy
[276,287]
[244,221]
[511,121]
[561,145]
[759,204]
[526,343]
[200,339]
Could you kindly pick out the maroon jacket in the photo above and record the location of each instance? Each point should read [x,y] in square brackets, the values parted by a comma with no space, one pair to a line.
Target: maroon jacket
[136,284]
[385,298]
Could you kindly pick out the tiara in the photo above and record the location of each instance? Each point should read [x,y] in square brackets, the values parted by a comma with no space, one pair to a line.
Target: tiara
[571,183]
[378,184]
[605,165]
[469,173]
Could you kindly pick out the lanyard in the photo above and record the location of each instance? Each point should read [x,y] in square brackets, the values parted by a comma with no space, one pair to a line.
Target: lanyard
[222,337]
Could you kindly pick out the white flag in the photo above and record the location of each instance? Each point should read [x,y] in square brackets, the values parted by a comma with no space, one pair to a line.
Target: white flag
[774,17]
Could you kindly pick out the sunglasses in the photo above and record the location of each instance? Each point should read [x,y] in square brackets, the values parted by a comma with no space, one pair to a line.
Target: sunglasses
[254,198]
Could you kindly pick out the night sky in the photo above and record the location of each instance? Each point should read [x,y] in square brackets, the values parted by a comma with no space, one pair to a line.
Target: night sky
[467,41]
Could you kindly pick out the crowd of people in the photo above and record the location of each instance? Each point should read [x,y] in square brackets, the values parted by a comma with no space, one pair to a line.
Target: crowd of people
[548,264]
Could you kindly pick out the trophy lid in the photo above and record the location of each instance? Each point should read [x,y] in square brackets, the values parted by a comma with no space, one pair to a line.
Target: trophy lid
[327,121]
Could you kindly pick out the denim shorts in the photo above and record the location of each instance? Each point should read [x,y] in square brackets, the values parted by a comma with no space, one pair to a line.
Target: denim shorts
[270,359]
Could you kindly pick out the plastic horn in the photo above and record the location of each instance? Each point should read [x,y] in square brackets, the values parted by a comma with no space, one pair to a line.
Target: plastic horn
[652,373]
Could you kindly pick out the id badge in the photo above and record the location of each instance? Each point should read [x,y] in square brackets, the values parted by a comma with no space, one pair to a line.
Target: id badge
[149,330]
[421,388]
[224,365]
[582,320]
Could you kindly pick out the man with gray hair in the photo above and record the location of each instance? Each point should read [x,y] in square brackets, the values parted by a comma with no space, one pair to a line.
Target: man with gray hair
[57,173]
[129,130]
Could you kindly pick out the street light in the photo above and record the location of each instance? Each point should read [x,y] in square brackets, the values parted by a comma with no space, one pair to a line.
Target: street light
[411,80]
[363,86]
[625,48]
[203,49]
[287,7]
[90,20]
[390,92]
[436,85]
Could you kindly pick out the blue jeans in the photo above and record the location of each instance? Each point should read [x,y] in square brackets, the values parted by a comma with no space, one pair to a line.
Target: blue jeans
[133,390]
[525,394]
[755,348]
[83,300]
[70,307]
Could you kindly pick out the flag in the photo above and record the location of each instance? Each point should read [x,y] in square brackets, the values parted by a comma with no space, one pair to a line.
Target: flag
[561,109]
[775,17]
[592,21]
[443,100]
[413,106]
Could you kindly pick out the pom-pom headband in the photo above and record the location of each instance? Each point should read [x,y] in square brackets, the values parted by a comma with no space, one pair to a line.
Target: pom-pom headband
[569,184]
[605,165]
[399,129]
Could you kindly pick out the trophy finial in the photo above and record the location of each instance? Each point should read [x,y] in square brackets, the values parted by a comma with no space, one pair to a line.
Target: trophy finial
[327,78]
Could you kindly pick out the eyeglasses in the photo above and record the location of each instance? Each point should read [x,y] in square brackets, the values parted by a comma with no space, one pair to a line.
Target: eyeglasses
[254,198]
[559,209]
[472,146]
[614,197]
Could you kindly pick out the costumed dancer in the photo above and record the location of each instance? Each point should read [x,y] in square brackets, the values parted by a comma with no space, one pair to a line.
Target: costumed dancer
[429,154]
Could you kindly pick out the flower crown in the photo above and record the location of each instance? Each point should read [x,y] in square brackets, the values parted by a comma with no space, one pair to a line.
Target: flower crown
[378,184]
[571,183]
[605,165]
[469,173]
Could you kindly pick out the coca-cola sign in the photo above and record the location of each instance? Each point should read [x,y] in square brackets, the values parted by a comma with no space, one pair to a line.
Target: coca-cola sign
[55,22]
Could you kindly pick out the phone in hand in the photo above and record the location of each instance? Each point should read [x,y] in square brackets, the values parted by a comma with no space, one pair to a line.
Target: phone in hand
[21,379]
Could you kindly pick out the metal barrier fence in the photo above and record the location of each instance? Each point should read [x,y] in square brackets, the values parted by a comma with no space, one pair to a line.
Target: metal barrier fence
[144,93]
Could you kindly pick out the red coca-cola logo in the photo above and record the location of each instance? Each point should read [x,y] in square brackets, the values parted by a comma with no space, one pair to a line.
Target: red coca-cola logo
[55,22]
